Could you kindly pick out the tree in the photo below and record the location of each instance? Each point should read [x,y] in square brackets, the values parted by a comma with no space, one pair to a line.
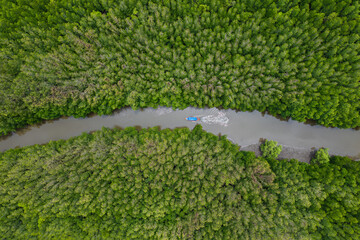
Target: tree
[321,157]
[270,149]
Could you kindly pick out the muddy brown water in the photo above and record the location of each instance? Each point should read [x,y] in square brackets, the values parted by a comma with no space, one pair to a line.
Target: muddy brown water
[243,128]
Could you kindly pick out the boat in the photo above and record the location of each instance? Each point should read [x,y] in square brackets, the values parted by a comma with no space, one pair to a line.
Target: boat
[193,119]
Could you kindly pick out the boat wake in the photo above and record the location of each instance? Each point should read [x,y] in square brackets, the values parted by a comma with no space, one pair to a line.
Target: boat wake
[220,119]
[163,110]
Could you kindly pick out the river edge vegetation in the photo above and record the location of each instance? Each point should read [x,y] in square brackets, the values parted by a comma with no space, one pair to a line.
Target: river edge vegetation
[297,59]
[172,184]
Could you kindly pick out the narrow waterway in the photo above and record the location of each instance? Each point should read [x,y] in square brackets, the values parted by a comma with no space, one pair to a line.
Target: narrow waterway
[243,128]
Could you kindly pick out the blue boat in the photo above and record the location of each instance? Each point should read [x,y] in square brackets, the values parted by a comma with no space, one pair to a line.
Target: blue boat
[193,119]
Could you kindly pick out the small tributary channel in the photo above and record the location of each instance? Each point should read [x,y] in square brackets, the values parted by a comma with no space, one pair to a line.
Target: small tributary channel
[243,128]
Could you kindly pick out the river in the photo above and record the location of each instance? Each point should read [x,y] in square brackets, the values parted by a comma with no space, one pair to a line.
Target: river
[243,128]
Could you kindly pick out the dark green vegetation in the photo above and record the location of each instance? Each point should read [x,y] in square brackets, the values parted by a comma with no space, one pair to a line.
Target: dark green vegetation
[299,59]
[180,184]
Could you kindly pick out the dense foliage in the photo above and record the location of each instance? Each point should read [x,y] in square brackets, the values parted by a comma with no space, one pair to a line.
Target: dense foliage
[299,59]
[179,184]
[270,149]
[321,156]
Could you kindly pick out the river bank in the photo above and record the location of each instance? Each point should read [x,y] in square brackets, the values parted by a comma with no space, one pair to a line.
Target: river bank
[301,154]
[287,152]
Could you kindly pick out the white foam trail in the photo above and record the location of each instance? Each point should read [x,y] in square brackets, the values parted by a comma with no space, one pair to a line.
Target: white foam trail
[163,110]
[214,111]
[220,119]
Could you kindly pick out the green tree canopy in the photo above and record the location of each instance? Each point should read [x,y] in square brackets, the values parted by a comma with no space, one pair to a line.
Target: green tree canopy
[171,184]
[270,149]
[297,59]
[321,156]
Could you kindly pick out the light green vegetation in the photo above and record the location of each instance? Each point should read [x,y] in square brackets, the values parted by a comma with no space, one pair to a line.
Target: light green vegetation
[321,156]
[270,149]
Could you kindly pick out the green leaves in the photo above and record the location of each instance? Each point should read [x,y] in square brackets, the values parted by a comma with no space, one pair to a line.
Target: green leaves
[147,183]
[295,59]
[270,149]
[321,156]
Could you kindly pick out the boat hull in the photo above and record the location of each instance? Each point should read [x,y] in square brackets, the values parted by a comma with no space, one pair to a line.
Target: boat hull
[193,119]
